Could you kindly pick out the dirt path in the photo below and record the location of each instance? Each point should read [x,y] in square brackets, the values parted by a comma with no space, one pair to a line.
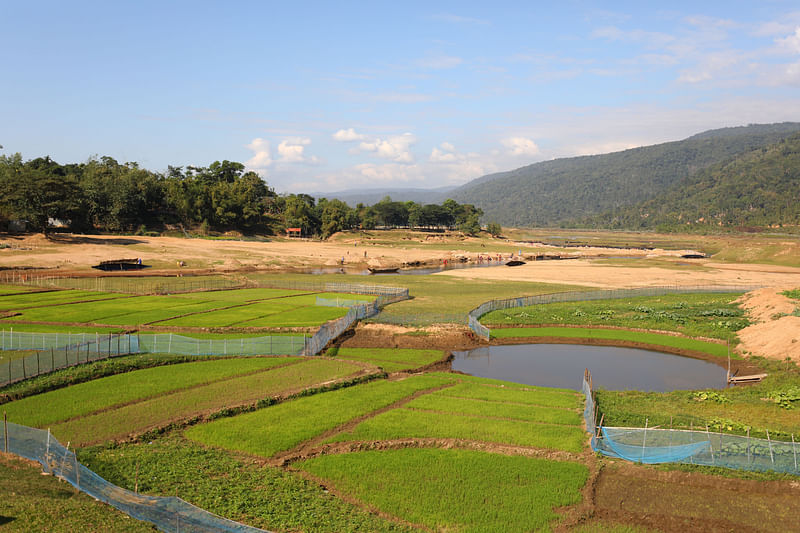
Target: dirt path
[593,274]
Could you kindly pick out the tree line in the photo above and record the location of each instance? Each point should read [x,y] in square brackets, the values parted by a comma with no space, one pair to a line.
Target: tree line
[105,195]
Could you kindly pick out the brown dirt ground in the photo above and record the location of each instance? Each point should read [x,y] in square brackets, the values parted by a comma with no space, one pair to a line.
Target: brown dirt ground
[685,502]
[773,334]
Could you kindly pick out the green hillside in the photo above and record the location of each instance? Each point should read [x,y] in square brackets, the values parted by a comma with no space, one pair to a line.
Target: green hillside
[555,192]
[757,189]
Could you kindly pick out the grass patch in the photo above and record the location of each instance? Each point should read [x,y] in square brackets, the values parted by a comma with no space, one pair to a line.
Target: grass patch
[281,427]
[63,404]
[682,343]
[391,359]
[183,405]
[30,501]
[269,498]
[695,315]
[456,490]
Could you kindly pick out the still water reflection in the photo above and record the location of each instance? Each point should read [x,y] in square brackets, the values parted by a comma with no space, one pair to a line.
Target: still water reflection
[612,368]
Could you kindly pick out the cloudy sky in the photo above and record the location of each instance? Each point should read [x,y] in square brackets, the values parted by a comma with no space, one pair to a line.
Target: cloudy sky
[323,96]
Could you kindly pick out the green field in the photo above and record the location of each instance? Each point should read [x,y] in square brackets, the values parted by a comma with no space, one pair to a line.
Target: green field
[456,490]
[63,404]
[279,428]
[655,339]
[36,299]
[435,298]
[391,359]
[696,315]
[266,308]
[202,400]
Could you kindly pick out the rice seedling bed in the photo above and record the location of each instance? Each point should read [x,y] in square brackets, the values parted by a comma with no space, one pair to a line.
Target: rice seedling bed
[63,404]
[456,490]
[655,339]
[698,315]
[182,405]
[406,423]
[503,391]
[297,318]
[281,427]
[439,402]
[33,299]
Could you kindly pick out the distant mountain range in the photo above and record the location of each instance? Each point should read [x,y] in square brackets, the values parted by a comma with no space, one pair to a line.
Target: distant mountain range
[747,175]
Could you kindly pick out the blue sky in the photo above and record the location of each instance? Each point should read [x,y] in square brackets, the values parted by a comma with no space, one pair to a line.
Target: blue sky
[324,96]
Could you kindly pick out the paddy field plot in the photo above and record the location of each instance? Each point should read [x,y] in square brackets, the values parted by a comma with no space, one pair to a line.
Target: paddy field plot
[267,308]
[137,401]
[714,315]
[281,427]
[639,337]
[476,411]
[100,394]
[455,490]
[433,406]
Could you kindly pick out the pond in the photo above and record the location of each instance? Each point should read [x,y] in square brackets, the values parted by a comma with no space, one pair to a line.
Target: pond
[612,368]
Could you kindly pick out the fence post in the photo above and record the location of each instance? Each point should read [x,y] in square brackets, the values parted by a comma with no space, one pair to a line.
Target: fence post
[52,359]
[771,457]
[794,449]
[711,445]
[5,431]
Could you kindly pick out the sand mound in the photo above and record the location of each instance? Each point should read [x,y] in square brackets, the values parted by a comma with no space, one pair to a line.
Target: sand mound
[773,334]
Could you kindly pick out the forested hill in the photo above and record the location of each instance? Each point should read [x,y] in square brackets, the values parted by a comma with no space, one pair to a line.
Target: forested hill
[760,188]
[564,190]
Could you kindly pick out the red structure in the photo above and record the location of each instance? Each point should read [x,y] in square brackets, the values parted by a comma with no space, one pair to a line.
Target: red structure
[294,232]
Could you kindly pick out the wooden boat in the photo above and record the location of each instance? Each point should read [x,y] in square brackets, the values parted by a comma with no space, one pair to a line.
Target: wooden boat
[515,263]
[382,270]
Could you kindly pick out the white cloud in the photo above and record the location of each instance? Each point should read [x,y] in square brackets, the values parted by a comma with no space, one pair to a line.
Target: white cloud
[520,146]
[291,150]
[348,135]
[447,146]
[261,154]
[395,147]
[791,43]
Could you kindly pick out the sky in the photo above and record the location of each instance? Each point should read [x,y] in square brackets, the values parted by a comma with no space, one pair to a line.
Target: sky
[328,96]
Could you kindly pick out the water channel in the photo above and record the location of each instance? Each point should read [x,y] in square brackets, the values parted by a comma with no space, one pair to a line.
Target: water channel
[612,368]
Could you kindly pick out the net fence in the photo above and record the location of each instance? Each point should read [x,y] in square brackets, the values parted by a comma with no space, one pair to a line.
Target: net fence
[170,514]
[660,445]
[473,320]
[181,345]
[43,353]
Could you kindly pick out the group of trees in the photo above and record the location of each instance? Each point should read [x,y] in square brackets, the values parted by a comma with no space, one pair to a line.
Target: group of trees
[103,194]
